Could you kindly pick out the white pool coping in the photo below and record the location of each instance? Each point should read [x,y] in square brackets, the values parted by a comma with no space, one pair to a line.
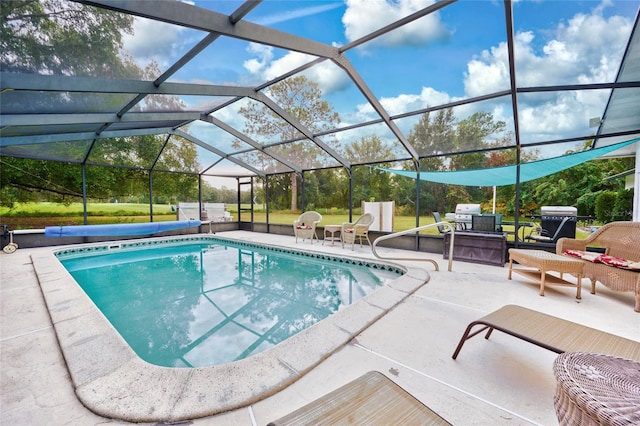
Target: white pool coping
[112,381]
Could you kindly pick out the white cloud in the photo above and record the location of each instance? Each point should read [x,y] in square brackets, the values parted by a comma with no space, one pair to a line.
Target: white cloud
[264,56]
[404,103]
[154,40]
[488,73]
[297,13]
[565,114]
[365,16]
[285,64]
[328,76]
[578,51]
[230,114]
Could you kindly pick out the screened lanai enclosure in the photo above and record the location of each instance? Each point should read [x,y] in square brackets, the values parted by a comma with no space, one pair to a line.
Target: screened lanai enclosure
[314,104]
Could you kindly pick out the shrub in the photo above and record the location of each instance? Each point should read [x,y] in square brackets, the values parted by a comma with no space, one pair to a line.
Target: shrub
[586,204]
[623,206]
[605,203]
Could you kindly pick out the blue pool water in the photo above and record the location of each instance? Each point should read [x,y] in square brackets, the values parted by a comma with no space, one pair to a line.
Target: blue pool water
[204,302]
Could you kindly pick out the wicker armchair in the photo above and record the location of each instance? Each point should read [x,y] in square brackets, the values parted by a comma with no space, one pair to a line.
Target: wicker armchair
[358,229]
[305,226]
[619,239]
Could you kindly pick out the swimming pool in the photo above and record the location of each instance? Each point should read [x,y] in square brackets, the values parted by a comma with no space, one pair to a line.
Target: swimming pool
[110,379]
[204,301]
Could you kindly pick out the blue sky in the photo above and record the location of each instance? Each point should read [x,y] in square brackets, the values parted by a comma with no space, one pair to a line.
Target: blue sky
[456,53]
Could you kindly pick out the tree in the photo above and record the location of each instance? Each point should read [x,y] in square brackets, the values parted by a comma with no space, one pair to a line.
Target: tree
[434,136]
[26,180]
[506,194]
[580,185]
[431,136]
[368,183]
[326,188]
[302,98]
[604,206]
[623,206]
[278,191]
[473,133]
[33,35]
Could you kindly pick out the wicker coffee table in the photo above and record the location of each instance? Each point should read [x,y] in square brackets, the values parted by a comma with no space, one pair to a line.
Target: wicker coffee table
[596,389]
[543,262]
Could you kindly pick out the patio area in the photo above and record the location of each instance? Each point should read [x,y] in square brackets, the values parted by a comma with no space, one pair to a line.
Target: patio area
[498,381]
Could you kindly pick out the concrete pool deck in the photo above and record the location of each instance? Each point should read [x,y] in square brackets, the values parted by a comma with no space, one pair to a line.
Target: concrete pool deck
[500,381]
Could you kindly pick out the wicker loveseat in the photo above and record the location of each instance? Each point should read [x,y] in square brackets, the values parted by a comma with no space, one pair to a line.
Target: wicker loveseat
[620,241]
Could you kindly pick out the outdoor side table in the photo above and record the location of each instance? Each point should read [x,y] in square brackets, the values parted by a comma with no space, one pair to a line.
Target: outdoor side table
[330,233]
[543,262]
[596,389]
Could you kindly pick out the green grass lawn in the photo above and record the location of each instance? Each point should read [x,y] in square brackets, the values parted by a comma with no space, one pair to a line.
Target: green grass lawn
[400,223]
[93,209]
[39,215]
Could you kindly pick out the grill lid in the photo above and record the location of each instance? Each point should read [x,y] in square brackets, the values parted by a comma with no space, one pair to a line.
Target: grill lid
[467,209]
[558,211]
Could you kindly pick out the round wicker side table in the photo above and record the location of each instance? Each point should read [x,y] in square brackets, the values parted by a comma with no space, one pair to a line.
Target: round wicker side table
[596,389]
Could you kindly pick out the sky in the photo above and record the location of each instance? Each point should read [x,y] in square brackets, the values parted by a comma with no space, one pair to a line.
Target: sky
[456,53]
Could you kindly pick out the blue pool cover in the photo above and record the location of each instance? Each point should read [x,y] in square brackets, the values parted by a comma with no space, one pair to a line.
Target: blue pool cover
[118,229]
